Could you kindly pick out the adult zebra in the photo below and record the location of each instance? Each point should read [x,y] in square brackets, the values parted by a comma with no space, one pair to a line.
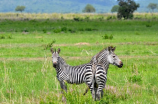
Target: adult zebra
[71,74]
[106,57]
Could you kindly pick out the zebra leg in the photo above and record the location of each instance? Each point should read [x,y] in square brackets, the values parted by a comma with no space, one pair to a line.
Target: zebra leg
[102,93]
[98,95]
[94,91]
[95,96]
[63,87]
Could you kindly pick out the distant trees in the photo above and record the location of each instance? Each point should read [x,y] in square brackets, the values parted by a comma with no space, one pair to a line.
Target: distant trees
[152,6]
[115,8]
[126,9]
[89,9]
[20,8]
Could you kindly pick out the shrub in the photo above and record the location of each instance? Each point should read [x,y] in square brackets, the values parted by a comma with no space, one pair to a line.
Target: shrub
[81,29]
[108,37]
[2,37]
[62,18]
[10,37]
[44,30]
[57,30]
[109,18]
[64,29]
[77,19]
[87,18]
[101,18]
[105,36]
[72,30]
[111,37]
[88,29]
[148,25]
[25,30]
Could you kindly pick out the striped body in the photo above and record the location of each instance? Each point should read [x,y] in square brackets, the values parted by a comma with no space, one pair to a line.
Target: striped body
[103,59]
[74,74]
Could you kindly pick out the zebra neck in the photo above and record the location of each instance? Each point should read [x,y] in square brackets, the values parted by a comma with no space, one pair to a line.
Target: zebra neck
[58,69]
[102,59]
[61,66]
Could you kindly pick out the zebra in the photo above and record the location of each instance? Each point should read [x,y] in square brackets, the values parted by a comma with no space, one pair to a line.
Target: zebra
[99,80]
[71,74]
[105,57]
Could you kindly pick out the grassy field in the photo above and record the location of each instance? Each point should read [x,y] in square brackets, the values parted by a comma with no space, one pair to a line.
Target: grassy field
[27,75]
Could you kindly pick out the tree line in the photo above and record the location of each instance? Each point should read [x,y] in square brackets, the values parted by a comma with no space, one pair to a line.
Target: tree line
[124,9]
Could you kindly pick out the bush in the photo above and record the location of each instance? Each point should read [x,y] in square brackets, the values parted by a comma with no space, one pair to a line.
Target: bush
[72,30]
[81,29]
[25,30]
[44,30]
[2,37]
[105,36]
[77,19]
[108,37]
[10,37]
[101,18]
[64,29]
[87,18]
[58,30]
[111,37]
[148,25]
[109,18]
[88,29]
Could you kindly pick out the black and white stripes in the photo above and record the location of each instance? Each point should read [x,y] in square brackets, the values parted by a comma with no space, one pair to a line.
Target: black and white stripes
[94,74]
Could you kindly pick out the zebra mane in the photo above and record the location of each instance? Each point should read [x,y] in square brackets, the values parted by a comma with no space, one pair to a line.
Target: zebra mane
[105,49]
[62,61]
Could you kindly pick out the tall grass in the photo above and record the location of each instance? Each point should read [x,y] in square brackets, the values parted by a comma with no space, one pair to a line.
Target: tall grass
[27,75]
[59,16]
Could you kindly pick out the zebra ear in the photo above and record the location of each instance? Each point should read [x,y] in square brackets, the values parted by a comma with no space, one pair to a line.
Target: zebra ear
[52,50]
[113,49]
[109,49]
[58,50]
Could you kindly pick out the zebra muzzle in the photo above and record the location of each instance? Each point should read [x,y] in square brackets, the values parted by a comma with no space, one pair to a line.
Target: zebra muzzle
[121,64]
[54,64]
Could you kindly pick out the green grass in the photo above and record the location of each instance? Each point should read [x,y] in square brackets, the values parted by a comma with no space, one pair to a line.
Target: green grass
[27,75]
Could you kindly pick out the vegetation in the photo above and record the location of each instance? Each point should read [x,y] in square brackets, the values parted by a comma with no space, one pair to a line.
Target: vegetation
[126,9]
[152,6]
[89,9]
[27,75]
[115,8]
[20,8]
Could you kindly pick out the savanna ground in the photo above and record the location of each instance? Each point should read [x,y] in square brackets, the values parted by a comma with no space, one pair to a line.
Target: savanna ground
[27,75]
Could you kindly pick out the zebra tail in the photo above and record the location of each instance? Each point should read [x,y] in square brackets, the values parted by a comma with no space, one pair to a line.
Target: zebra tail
[86,90]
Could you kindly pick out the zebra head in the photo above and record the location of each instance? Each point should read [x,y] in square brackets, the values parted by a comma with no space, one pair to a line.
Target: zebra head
[55,57]
[112,58]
